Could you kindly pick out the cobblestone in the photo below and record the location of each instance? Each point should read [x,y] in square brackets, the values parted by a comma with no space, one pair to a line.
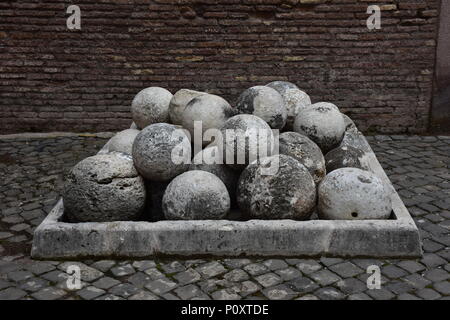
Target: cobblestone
[33,170]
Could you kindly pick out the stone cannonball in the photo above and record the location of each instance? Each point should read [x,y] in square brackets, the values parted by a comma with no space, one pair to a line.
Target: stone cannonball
[281,86]
[263,102]
[344,157]
[287,193]
[206,160]
[196,195]
[123,141]
[322,123]
[210,109]
[294,100]
[178,103]
[304,150]
[151,105]
[104,188]
[351,193]
[245,138]
[154,149]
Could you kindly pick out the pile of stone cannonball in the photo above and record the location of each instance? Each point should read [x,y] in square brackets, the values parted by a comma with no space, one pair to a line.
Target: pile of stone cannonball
[272,155]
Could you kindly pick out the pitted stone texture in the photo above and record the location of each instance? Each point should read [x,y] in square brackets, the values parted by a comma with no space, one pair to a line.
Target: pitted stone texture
[154,149]
[209,110]
[304,150]
[263,102]
[353,139]
[178,103]
[322,123]
[281,86]
[123,141]
[151,105]
[196,195]
[353,194]
[294,100]
[345,157]
[287,191]
[210,159]
[104,188]
[349,124]
[245,138]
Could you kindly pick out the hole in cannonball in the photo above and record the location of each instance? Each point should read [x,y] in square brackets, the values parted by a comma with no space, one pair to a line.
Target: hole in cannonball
[354,214]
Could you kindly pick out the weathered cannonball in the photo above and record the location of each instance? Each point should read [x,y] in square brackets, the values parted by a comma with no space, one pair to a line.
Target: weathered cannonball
[104,188]
[196,195]
[210,109]
[355,139]
[151,105]
[303,149]
[210,159]
[344,157]
[178,103]
[161,151]
[245,138]
[281,86]
[263,102]
[286,193]
[349,124]
[351,193]
[322,123]
[123,141]
[294,100]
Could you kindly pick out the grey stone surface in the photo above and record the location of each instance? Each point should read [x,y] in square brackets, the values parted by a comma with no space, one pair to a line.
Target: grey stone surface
[153,151]
[123,141]
[265,103]
[210,160]
[257,135]
[150,105]
[196,195]
[208,110]
[344,157]
[104,188]
[353,194]
[322,123]
[287,192]
[403,158]
[294,100]
[178,103]
[304,150]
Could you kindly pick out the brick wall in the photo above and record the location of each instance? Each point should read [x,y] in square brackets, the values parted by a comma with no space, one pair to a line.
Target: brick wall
[55,79]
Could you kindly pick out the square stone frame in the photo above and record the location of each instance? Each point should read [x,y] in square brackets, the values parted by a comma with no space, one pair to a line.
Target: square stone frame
[397,237]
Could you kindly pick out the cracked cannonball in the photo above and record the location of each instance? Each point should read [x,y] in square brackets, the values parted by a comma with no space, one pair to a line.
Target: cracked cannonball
[210,109]
[294,100]
[353,194]
[123,141]
[322,123]
[178,103]
[210,159]
[161,151]
[344,157]
[104,188]
[286,193]
[245,138]
[265,103]
[151,105]
[196,195]
[304,150]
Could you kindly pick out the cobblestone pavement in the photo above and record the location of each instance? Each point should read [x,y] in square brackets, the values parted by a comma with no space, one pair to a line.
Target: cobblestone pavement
[32,171]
